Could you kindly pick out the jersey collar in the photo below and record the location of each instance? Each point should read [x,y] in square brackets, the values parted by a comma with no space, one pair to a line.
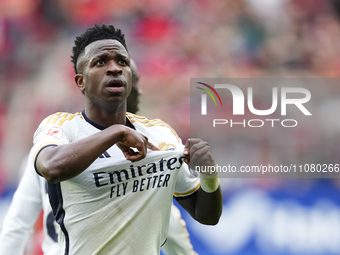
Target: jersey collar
[128,122]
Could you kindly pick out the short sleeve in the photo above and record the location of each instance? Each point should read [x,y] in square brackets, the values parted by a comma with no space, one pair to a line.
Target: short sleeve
[50,134]
[187,182]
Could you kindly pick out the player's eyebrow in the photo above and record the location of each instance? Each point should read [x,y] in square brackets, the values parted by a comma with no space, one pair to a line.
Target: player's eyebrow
[107,55]
[120,55]
[123,56]
[101,56]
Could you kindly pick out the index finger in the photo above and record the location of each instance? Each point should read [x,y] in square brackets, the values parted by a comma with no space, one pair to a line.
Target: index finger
[152,147]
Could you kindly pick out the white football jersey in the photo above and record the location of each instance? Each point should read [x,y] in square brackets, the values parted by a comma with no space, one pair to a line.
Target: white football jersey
[28,201]
[116,206]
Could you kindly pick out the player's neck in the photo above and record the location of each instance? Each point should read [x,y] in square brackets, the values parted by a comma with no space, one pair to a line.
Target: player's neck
[106,118]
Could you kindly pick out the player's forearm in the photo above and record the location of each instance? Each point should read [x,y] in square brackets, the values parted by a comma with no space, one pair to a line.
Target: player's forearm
[59,163]
[208,207]
[205,206]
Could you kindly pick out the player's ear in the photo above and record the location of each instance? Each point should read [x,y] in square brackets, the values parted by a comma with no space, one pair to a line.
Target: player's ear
[79,79]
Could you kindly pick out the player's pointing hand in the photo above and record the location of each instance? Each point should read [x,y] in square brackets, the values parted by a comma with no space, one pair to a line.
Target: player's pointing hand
[134,145]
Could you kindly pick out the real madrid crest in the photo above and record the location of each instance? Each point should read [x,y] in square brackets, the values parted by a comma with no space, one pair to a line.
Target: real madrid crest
[163,146]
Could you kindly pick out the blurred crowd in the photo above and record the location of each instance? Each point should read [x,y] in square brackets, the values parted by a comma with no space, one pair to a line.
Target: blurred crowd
[170,40]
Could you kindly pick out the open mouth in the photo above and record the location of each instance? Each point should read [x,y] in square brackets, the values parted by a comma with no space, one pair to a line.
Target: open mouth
[115,86]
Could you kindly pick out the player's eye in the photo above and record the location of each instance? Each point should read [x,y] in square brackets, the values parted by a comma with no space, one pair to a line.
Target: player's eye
[123,62]
[100,62]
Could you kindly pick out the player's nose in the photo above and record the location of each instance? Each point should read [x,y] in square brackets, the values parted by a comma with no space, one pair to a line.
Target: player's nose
[113,68]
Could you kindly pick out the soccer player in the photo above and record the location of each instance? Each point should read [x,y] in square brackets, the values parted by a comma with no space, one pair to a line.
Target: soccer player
[31,196]
[109,186]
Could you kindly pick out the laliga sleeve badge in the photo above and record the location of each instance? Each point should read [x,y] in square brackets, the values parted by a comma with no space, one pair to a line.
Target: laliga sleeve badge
[55,133]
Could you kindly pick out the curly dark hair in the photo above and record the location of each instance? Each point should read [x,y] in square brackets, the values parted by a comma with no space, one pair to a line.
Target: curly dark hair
[92,34]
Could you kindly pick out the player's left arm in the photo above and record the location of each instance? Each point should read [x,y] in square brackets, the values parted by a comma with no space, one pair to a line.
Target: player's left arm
[205,205]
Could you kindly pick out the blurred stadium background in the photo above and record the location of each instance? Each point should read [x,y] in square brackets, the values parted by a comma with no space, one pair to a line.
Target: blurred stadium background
[171,42]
